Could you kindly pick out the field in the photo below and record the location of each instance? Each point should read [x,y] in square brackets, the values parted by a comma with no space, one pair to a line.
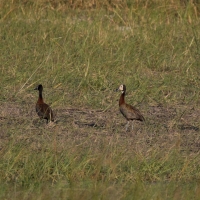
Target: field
[81,52]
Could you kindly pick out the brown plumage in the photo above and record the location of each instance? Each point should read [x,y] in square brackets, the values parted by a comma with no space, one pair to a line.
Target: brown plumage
[42,109]
[129,112]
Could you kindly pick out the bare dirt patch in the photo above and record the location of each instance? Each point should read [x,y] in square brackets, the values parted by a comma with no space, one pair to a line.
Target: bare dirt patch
[165,127]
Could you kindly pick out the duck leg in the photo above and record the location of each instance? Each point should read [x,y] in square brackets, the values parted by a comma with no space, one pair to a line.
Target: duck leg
[132,125]
[127,125]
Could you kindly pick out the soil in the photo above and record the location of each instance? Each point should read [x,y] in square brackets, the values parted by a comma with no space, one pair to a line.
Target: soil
[164,127]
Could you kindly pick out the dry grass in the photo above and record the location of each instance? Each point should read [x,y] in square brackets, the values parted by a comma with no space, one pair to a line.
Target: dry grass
[81,56]
[85,147]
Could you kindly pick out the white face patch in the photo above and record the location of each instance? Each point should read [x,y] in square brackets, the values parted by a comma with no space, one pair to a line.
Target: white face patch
[121,88]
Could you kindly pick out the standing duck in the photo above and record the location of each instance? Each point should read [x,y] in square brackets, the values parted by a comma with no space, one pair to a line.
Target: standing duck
[42,109]
[129,112]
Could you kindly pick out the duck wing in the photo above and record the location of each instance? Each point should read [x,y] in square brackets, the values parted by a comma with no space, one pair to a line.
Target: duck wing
[44,111]
[131,113]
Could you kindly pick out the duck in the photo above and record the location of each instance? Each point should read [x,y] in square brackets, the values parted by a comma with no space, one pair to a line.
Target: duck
[42,109]
[128,111]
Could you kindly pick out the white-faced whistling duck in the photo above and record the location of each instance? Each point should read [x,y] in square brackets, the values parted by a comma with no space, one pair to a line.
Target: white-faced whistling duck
[43,110]
[129,112]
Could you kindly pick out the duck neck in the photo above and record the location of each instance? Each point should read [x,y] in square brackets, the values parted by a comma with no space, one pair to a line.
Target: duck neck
[121,100]
[40,99]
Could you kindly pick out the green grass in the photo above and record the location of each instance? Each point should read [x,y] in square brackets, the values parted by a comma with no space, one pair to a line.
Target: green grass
[81,54]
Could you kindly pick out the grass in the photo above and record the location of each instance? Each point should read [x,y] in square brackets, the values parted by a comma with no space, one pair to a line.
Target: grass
[81,54]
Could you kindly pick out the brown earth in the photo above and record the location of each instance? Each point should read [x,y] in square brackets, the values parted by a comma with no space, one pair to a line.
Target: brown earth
[165,127]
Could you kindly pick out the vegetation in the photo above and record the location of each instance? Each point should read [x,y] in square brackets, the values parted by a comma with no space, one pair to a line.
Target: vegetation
[81,52]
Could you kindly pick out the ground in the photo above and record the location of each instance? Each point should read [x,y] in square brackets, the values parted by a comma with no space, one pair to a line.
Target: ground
[164,127]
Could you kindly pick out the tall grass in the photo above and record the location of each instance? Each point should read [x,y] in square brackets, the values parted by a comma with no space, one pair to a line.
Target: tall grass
[109,172]
[80,52]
